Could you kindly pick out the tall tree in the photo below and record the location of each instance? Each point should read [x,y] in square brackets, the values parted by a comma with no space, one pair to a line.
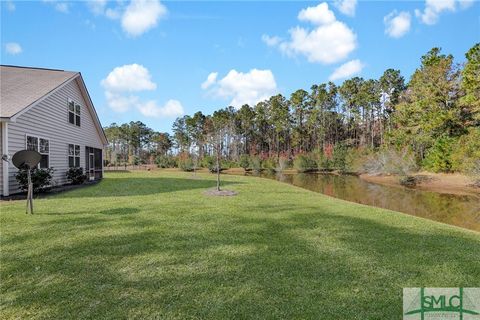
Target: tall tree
[300,104]
[428,108]
[471,85]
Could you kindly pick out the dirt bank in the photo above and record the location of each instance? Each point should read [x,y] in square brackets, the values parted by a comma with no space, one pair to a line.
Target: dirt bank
[437,182]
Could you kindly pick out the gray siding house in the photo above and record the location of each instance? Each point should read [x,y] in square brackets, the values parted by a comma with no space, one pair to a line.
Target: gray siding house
[49,111]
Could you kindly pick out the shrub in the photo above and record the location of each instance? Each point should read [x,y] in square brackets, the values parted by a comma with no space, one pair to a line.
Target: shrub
[227,164]
[255,163]
[244,162]
[186,164]
[210,163]
[408,181]
[324,163]
[340,157]
[466,153]
[390,162]
[439,156]
[304,163]
[166,161]
[41,179]
[475,173]
[283,163]
[76,176]
[269,164]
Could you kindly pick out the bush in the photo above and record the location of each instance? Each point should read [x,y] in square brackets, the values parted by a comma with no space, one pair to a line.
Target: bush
[390,162]
[408,181]
[269,164]
[475,173]
[244,162]
[283,163]
[324,163]
[209,162]
[41,179]
[304,163]
[185,164]
[256,163]
[227,164]
[340,159]
[466,153]
[439,156]
[166,162]
[76,176]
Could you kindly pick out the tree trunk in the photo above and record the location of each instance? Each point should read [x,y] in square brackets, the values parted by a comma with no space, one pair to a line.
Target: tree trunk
[218,168]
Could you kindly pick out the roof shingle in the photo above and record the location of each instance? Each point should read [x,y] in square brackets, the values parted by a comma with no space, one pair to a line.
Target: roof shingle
[22,86]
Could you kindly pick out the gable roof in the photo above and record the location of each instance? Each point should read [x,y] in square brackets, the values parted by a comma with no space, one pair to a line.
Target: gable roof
[23,87]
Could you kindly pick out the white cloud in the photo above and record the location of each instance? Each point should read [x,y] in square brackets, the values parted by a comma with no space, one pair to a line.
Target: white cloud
[113,13]
[119,102]
[122,85]
[317,15]
[90,24]
[346,70]
[130,77]
[10,5]
[172,108]
[13,48]
[433,8]
[211,79]
[329,42]
[397,24]
[347,7]
[464,4]
[97,6]
[141,16]
[62,7]
[271,41]
[250,87]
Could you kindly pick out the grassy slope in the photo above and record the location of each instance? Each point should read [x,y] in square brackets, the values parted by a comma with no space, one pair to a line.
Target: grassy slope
[150,244]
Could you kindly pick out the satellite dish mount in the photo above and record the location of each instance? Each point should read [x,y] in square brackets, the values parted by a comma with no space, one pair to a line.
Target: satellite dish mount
[26,160]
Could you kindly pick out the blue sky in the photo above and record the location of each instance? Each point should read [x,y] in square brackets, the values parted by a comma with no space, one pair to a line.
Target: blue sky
[147,60]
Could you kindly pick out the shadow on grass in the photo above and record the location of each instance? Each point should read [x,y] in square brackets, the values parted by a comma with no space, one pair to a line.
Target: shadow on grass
[276,264]
[119,211]
[132,186]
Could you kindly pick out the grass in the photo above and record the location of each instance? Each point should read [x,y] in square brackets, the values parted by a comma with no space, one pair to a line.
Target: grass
[152,245]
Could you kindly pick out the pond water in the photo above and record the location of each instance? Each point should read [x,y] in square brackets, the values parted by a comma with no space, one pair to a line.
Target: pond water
[458,210]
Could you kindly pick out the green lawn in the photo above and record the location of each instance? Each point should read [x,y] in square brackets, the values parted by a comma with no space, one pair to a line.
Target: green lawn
[152,245]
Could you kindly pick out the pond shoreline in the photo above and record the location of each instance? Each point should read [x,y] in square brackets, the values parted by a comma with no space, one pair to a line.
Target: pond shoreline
[452,208]
[446,183]
[456,184]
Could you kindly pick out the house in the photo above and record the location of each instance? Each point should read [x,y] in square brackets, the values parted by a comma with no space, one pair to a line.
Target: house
[49,111]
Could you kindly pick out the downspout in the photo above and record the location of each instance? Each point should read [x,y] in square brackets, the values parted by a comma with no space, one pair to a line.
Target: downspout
[6,191]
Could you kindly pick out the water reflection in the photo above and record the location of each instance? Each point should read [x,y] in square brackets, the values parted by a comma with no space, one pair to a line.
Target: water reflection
[463,211]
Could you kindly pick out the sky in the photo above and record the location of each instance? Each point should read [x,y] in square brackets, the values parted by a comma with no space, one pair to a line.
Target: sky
[153,61]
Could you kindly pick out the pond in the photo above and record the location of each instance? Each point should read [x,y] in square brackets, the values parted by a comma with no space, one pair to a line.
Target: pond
[458,210]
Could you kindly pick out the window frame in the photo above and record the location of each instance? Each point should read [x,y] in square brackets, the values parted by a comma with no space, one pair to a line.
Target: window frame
[38,147]
[74,112]
[74,156]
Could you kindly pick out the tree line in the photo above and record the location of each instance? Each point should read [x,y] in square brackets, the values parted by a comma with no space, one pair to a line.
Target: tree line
[435,116]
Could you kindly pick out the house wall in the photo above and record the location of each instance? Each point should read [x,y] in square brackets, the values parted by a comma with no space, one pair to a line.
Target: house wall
[49,119]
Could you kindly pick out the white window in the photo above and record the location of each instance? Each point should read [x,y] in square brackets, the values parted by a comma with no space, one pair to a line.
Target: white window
[73,113]
[73,155]
[42,146]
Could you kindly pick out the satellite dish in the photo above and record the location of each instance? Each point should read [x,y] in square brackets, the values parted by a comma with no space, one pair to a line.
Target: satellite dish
[27,159]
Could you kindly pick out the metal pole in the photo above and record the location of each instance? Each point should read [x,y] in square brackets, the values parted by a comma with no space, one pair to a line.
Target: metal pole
[30,192]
